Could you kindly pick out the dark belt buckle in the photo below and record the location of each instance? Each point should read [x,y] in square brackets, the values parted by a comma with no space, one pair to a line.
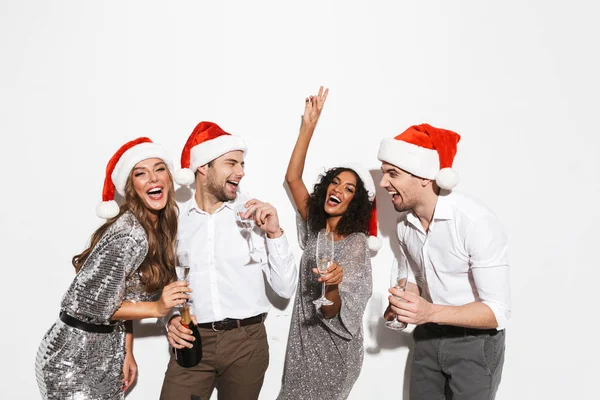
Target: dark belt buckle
[213,326]
[225,325]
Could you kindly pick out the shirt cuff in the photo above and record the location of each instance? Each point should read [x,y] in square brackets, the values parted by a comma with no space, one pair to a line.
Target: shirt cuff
[502,315]
[278,246]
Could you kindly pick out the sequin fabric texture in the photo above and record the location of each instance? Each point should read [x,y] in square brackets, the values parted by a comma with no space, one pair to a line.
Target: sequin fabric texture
[324,356]
[74,364]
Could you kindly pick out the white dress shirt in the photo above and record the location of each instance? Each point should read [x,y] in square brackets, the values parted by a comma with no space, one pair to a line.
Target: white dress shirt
[462,258]
[225,283]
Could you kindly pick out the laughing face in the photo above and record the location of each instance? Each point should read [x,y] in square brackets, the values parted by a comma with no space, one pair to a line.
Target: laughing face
[224,175]
[150,180]
[340,193]
[401,185]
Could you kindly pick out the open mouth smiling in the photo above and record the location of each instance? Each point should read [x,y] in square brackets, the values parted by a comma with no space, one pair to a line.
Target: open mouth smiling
[155,193]
[333,200]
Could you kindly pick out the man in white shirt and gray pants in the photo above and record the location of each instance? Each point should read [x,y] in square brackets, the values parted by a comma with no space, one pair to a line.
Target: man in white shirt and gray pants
[228,283]
[458,293]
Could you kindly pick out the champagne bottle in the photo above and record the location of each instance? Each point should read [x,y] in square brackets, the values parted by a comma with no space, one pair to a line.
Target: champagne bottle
[189,357]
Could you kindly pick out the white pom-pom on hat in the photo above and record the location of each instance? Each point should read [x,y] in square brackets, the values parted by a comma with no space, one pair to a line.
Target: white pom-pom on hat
[447,178]
[374,243]
[184,177]
[107,209]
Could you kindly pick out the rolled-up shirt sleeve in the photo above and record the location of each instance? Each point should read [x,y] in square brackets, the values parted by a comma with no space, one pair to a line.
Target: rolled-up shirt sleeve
[486,243]
[282,272]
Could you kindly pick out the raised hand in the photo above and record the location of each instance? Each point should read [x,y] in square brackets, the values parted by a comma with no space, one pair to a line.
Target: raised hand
[313,107]
[293,175]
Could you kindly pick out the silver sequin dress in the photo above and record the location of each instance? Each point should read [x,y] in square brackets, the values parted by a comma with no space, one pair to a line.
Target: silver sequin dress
[324,356]
[72,364]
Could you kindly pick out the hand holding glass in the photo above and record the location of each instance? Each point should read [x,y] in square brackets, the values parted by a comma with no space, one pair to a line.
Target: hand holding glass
[324,255]
[247,225]
[398,278]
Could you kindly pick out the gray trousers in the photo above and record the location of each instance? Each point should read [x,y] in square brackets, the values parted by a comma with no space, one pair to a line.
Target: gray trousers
[456,363]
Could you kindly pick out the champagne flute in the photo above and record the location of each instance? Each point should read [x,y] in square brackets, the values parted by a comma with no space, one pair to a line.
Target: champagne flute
[324,255]
[247,225]
[398,278]
[182,269]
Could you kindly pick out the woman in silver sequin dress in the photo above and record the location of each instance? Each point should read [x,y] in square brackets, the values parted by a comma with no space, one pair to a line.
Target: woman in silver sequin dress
[87,353]
[325,345]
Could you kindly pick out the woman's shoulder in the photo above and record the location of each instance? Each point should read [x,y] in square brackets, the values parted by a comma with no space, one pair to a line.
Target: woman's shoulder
[127,225]
[356,241]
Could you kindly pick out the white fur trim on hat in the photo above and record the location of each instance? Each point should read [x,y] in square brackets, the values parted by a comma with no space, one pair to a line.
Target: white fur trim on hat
[419,161]
[374,243]
[447,178]
[107,209]
[204,152]
[133,156]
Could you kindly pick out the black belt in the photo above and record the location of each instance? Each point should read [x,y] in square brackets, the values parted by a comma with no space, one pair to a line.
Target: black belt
[85,326]
[228,323]
[457,331]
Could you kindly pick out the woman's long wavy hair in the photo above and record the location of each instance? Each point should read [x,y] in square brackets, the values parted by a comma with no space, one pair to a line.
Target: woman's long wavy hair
[357,215]
[158,268]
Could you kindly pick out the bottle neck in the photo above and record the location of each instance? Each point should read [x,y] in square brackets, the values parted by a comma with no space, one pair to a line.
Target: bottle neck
[186,317]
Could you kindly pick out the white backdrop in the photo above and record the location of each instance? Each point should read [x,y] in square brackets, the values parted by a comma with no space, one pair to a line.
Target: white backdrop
[518,80]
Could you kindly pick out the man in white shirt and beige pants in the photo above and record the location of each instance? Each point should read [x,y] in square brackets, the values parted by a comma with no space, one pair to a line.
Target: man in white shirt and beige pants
[228,283]
[458,293]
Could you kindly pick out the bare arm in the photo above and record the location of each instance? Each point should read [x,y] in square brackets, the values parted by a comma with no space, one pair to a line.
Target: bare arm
[332,294]
[414,309]
[293,176]
[472,315]
[173,294]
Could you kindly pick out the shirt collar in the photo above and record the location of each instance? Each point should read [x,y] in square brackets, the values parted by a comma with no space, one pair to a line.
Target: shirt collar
[193,206]
[443,207]
[442,212]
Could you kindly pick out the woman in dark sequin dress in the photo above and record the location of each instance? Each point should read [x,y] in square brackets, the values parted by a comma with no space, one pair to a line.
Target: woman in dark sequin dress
[126,273]
[325,345]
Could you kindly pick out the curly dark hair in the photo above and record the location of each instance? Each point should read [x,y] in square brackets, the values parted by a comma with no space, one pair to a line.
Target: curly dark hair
[357,215]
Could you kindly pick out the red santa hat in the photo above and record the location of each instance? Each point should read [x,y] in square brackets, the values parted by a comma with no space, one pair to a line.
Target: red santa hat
[119,167]
[424,151]
[207,142]
[365,176]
